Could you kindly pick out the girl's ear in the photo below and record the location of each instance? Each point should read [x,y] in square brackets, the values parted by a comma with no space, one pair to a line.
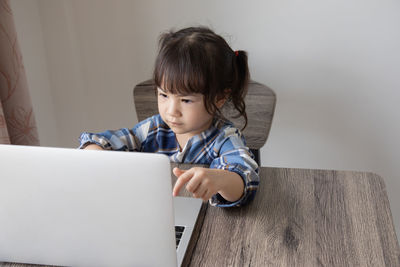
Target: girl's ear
[221,101]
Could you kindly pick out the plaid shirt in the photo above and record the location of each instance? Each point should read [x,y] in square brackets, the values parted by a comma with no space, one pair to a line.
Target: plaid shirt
[222,146]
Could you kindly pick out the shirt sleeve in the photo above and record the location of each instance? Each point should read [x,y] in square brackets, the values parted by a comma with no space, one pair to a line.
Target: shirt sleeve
[121,140]
[235,156]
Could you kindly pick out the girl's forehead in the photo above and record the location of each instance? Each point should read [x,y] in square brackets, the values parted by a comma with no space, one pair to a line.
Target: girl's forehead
[182,85]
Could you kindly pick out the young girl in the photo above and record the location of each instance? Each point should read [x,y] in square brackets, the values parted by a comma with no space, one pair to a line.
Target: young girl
[196,72]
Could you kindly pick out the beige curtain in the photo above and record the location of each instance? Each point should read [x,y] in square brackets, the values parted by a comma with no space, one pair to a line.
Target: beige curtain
[17,122]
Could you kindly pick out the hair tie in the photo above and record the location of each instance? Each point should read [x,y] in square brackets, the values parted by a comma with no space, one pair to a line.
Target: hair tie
[236,53]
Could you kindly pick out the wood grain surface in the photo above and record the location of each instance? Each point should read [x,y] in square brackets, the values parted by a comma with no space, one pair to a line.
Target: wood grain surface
[301,217]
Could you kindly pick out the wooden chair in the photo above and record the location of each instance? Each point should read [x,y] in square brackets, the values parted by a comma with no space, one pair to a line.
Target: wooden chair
[260,107]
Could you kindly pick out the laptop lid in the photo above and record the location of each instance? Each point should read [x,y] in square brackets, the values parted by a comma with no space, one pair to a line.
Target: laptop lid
[75,207]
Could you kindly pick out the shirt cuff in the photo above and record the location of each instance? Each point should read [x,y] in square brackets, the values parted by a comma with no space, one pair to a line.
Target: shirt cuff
[218,201]
[85,140]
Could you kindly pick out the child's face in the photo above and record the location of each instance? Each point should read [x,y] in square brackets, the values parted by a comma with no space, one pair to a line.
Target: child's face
[184,114]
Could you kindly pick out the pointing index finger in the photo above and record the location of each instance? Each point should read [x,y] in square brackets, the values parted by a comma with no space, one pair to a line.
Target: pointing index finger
[181,181]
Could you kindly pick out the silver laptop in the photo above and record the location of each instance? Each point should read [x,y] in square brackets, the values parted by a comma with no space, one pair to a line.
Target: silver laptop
[73,207]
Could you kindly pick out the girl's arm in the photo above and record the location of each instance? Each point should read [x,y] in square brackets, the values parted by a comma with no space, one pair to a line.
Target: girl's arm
[232,179]
[122,140]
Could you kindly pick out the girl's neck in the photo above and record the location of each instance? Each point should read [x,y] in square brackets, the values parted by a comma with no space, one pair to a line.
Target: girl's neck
[183,138]
[182,141]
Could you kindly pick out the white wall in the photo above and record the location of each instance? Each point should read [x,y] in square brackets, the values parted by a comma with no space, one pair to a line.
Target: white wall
[333,65]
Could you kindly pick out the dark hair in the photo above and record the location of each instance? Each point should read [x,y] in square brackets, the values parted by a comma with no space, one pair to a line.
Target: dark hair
[196,60]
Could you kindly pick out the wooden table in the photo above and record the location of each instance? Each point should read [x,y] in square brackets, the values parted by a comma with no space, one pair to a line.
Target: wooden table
[302,217]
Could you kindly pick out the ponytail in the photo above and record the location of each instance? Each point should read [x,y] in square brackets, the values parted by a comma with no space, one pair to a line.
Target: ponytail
[240,81]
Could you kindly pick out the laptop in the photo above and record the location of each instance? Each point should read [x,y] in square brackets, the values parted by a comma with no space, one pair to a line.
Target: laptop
[72,207]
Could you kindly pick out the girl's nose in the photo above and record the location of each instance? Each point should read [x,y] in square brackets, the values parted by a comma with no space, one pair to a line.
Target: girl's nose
[173,108]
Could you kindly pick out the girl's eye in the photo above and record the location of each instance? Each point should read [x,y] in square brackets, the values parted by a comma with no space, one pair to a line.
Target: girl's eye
[162,95]
[187,101]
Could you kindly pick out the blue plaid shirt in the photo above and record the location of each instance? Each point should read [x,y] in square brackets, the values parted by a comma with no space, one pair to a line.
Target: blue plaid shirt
[222,146]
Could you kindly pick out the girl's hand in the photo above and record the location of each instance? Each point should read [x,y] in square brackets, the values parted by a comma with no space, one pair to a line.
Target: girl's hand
[93,147]
[204,183]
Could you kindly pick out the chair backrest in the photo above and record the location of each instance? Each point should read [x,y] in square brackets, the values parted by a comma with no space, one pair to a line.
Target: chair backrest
[260,106]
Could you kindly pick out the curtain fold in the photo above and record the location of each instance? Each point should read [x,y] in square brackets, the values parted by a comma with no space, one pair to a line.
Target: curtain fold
[17,121]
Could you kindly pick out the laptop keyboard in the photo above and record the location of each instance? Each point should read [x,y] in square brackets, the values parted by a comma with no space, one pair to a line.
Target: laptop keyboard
[178,234]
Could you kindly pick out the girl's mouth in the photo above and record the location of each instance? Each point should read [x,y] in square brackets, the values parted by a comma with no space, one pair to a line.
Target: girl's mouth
[174,123]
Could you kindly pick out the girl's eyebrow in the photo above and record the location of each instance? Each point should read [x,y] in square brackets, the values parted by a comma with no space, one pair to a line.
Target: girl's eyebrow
[180,95]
